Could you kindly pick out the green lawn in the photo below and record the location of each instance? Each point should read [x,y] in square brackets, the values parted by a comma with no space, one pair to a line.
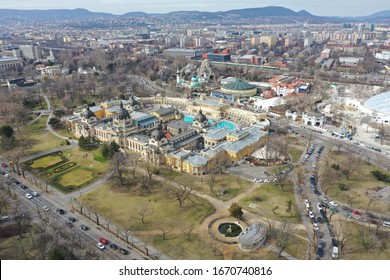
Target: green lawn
[81,168]
[295,153]
[76,177]
[64,132]
[360,181]
[47,161]
[87,159]
[270,202]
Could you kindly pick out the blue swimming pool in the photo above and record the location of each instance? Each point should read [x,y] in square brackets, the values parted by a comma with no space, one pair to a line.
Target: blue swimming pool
[226,125]
[223,124]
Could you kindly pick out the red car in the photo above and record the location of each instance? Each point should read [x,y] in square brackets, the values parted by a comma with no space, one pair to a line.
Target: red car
[103,240]
[356,212]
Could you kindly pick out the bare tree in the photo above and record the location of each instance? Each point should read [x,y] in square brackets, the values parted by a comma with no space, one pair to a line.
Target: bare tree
[215,247]
[285,232]
[118,167]
[141,212]
[372,200]
[182,193]
[350,165]
[187,229]
[133,160]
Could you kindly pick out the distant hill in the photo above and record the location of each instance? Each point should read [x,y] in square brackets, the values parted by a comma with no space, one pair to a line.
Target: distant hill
[382,14]
[275,13]
[49,15]
[266,12]
[135,14]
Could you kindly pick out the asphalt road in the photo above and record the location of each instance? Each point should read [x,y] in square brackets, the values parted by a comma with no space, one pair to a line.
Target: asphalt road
[36,204]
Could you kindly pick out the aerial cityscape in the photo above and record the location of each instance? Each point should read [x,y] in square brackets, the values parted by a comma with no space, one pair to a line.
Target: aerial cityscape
[174,131]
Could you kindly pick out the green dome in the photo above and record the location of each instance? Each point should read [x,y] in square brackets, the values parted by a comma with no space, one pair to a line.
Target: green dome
[238,86]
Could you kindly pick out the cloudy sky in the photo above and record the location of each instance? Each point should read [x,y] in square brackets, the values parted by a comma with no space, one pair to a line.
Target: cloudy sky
[316,7]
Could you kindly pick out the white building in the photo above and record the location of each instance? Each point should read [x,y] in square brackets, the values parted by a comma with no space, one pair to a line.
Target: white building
[267,104]
[385,55]
[313,119]
[379,107]
[253,237]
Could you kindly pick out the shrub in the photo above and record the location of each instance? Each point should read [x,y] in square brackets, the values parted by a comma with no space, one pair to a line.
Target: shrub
[235,210]
[381,176]
[342,187]
[335,166]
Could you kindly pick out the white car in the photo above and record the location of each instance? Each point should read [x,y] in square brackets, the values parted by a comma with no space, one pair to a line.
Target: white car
[306,201]
[334,204]
[319,206]
[45,208]
[257,180]
[29,196]
[100,246]
[35,194]
[311,215]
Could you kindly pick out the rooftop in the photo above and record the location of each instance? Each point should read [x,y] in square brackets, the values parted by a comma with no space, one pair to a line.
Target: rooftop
[238,86]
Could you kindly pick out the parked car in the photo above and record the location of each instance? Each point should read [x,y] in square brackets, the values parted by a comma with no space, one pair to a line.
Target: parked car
[334,204]
[6,218]
[29,196]
[101,246]
[320,252]
[113,246]
[84,227]
[319,206]
[103,240]
[311,215]
[124,251]
[347,209]
[23,186]
[46,208]
[35,194]
[72,219]
[68,224]
[60,211]
[3,164]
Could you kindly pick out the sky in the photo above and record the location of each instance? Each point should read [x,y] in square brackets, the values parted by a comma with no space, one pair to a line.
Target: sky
[118,7]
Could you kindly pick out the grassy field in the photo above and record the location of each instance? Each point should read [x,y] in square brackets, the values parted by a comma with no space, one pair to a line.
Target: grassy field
[123,207]
[355,249]
[180,248]
[295,153]
[79,168]
[47,161]
[270,202]
[64,132]
[225,188]
[76,177]
[360,181]
[87,159]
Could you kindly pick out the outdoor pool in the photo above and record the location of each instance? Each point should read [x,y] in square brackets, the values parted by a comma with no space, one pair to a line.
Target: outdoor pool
[223,124]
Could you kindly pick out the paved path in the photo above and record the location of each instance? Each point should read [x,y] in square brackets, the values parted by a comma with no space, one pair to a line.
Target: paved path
[48,152]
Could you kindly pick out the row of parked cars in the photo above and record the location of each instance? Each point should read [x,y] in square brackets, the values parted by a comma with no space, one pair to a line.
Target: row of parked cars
[103,242]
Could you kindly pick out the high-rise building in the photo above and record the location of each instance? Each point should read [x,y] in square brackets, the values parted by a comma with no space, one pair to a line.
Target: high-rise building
[30,51]
[199,42]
